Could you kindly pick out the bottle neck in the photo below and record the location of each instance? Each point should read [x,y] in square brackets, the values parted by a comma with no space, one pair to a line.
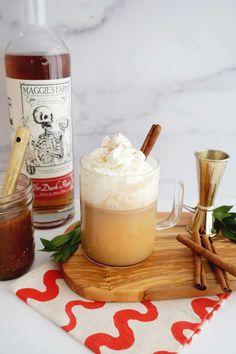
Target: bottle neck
[34,13]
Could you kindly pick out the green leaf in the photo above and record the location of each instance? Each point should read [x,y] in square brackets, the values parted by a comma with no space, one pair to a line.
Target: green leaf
[64,245]
[46,250]
[66,253]
[76,238]
[230,225]
[229,234]
[225,221]
[74,248]
[222,211]
[47,245]
[60,240]
[76,231]
[230,217]
[57,256]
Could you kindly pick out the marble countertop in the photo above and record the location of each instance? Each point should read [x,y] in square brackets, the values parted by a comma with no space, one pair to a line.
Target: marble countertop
[138,62]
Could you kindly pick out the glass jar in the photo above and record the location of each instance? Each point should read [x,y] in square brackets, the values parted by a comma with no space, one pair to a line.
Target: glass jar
[16,229]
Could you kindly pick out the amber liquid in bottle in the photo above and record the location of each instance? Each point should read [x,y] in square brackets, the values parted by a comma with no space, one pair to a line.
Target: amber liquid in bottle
[43,67]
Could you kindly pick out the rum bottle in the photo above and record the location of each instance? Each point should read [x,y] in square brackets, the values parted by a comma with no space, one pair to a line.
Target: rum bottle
[39,97]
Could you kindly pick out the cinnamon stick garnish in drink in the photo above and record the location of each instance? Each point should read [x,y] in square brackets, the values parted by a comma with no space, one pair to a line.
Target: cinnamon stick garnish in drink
[200,281]
[220,274]
[147,138]
[150,139]
[210,256]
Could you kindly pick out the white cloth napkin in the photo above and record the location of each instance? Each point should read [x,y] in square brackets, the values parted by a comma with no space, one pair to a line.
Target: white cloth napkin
[160,327]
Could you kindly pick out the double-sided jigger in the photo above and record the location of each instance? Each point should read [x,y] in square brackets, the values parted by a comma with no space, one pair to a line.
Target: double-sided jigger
[210,169]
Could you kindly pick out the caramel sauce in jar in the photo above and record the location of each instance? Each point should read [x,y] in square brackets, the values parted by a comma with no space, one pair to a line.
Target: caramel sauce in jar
[16,230]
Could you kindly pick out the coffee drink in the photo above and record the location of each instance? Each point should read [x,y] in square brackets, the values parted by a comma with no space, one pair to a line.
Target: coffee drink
[118,203]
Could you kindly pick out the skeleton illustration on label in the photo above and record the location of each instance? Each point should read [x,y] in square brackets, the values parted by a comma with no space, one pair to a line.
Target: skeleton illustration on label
[45,110]
[49,145]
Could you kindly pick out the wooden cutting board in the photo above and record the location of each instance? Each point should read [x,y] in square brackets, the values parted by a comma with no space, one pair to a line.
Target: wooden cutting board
[167,274]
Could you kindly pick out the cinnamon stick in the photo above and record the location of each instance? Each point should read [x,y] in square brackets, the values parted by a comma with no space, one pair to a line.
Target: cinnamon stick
[147,138]
[200,281]
[210,256]
[150,139]
[220,274]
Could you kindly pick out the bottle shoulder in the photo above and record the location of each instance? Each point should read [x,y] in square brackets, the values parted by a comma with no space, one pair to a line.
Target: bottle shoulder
[37,40]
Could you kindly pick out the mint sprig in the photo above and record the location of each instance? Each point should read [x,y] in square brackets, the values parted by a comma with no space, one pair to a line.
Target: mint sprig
[63,246]
[225,221]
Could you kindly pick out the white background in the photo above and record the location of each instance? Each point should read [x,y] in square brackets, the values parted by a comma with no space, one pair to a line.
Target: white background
[135,62]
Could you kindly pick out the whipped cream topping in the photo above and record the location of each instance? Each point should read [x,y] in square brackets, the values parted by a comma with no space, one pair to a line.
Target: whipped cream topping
[117,157]
[117,176]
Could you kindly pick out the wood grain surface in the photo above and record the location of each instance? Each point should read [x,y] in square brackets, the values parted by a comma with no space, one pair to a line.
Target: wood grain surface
[17,155]
[167,274]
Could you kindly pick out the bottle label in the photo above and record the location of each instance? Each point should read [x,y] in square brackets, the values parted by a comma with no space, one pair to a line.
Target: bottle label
[44,106]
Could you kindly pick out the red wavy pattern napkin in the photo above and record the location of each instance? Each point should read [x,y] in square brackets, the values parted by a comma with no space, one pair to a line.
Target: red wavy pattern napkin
[155,327]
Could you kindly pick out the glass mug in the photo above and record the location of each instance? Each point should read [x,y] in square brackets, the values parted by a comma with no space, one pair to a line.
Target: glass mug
[118,215]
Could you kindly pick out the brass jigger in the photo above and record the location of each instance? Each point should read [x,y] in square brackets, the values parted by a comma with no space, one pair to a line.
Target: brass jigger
[210,168]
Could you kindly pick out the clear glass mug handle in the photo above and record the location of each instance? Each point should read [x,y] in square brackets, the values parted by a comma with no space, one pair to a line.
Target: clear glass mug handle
[178,196]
